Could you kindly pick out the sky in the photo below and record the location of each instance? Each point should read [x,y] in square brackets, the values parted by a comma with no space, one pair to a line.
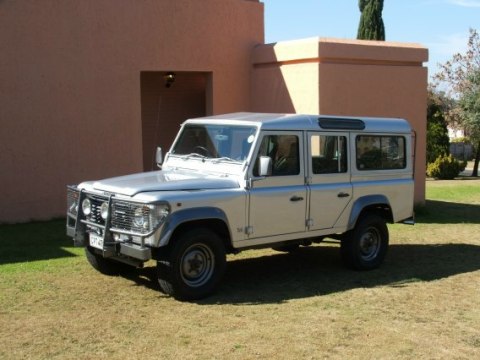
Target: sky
[440,25]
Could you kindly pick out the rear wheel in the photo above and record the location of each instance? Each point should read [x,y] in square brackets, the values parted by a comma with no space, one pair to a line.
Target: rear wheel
[193,265]
[365,247]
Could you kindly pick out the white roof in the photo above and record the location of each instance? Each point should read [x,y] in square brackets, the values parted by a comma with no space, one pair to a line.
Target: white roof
[292,122]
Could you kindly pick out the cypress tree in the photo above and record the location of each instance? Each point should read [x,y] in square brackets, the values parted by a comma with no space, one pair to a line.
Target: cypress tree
[371,23]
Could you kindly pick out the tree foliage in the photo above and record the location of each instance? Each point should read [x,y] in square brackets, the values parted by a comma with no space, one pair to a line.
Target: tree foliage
[462,74]
[371,23]
[437,132]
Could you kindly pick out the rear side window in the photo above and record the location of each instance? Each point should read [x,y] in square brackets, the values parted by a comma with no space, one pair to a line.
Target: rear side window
[329,154]
[380,152]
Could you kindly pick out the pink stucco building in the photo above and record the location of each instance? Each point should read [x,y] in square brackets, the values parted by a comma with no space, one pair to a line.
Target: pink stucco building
[84,89]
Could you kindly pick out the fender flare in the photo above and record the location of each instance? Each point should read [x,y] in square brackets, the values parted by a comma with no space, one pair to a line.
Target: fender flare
[363,202]
[193,214]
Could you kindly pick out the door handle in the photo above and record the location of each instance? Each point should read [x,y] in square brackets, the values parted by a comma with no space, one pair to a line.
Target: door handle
[296,198]
[342,195]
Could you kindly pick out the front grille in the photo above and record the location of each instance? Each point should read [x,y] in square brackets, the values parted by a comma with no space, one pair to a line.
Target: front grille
[123,214]
[135,219]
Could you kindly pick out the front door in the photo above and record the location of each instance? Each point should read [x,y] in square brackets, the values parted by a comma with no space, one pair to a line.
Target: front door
[278,202]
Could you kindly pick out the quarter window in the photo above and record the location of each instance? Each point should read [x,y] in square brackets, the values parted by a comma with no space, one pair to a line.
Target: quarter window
[380,152]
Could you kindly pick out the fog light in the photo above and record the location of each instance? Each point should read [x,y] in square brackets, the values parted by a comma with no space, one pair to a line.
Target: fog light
[86,207]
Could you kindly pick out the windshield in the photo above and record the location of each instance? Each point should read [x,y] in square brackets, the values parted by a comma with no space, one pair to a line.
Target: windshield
[221,142]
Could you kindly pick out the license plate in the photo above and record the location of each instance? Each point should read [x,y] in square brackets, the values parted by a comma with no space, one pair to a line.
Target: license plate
[96,241]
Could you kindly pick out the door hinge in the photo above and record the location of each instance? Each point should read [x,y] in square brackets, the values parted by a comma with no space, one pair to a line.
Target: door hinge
[248,230]
[309,223]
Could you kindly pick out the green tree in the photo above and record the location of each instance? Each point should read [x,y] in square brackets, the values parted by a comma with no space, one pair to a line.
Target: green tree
[462,74]
[438,142]
[371,23]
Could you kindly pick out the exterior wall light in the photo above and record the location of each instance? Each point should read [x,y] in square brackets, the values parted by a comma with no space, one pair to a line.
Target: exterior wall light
[169,79]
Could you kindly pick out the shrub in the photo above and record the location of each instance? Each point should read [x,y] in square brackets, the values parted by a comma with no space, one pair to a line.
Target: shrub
[445,167]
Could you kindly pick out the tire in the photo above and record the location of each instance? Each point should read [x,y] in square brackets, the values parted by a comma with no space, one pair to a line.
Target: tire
[192,267]
[365,247]
[105,266]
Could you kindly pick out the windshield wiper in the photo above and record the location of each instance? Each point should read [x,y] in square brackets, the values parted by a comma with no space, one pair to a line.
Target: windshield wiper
[226,159]
[195,155]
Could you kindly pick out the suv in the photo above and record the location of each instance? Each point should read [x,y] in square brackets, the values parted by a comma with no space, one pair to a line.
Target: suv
[247,180]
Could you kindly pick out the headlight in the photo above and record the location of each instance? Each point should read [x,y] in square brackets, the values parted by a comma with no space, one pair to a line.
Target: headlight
[140,217]
[137,218]
[86,207]
[104,210]
[148,217]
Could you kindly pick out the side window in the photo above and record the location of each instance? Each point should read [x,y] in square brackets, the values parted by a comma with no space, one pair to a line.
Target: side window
[284,152]
[329,154]
[380,152]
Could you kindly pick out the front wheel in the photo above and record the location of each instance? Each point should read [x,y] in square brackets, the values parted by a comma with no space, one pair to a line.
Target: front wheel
[105,266]
[193,265]
[365,247]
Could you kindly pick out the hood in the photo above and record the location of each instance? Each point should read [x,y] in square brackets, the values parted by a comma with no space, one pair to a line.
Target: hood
[131,185]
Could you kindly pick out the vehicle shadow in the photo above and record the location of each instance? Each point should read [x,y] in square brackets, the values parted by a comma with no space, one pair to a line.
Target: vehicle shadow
[318,270]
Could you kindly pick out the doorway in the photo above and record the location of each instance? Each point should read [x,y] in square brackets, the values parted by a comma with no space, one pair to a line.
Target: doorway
[168,98]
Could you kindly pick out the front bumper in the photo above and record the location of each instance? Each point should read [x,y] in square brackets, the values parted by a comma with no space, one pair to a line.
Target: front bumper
[131,244]
[112,248]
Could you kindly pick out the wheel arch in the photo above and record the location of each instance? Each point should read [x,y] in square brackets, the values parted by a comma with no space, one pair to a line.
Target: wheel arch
[377,204]
[206,217]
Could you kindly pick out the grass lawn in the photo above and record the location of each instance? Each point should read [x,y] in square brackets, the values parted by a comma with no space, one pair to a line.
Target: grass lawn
[422,303]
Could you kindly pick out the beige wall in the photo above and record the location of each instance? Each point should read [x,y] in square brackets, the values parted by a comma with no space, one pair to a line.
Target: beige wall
[70,104]
[346,77]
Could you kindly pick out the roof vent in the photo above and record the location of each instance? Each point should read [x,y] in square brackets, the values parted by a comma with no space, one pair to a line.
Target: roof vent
[341,123]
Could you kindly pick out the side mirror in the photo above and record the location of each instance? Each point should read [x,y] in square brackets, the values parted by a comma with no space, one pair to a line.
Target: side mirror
[265,166]
[159,157]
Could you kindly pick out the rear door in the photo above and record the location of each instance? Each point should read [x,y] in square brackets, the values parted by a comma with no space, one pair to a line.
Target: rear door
[329,178]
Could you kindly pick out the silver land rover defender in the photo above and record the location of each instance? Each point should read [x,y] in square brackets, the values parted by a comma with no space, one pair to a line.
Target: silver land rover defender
[247,180]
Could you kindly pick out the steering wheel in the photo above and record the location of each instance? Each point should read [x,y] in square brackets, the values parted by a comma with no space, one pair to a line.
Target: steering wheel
[202,151]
